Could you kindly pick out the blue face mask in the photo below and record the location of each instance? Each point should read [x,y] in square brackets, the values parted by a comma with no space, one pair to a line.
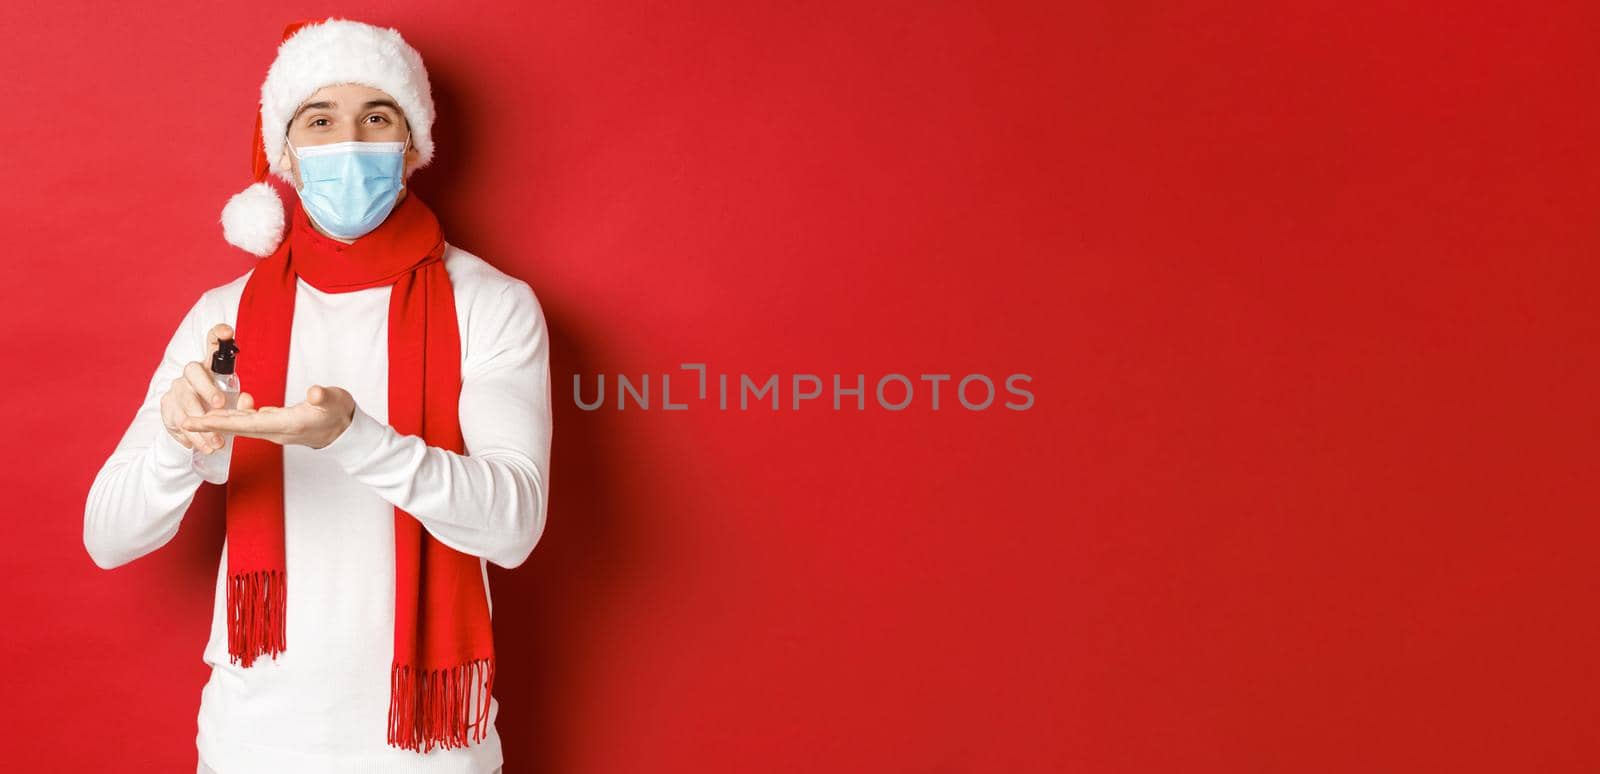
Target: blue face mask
[348,188]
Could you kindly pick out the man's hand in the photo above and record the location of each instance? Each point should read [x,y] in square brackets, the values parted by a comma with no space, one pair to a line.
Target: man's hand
[314,422]
[192,393]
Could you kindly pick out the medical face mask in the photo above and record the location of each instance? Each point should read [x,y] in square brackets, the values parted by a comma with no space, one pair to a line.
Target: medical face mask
[348,188]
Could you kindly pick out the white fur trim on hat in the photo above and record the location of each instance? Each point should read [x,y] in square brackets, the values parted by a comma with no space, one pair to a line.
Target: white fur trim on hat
[253,219]
[338,51]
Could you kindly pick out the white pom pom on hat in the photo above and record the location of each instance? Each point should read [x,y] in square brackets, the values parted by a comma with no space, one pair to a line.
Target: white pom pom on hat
[315,54]
[253,219]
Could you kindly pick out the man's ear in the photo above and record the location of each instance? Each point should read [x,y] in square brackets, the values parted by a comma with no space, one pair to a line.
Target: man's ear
[294,171]
[412,157]
[412,154]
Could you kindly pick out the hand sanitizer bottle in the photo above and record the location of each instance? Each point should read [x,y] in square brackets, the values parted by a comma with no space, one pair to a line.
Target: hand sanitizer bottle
[213,467]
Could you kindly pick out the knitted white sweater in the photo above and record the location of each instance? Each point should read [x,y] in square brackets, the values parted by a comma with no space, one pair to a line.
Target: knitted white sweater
[322,704]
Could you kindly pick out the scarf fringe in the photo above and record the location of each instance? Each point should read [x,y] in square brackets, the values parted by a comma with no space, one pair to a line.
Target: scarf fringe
[429,708]
[256,603]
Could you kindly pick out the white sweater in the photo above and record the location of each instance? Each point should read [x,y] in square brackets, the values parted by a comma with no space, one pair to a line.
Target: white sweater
[322,705]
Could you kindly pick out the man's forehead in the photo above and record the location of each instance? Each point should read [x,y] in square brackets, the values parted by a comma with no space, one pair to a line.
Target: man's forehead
[332,103]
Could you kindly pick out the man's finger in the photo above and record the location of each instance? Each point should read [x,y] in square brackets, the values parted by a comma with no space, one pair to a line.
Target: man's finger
[239,422]
[214,337]
[186,440]
[199,379]
[191,406]
[322,395]
[241,425]
[247,401]
[201,441]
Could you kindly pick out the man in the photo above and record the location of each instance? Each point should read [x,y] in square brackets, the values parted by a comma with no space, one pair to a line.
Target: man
[350,630]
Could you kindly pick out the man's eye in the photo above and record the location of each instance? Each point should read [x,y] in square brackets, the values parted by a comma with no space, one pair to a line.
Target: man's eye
[315,120]
[379,117]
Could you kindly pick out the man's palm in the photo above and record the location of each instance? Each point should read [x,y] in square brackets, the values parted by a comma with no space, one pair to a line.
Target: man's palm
[314,422]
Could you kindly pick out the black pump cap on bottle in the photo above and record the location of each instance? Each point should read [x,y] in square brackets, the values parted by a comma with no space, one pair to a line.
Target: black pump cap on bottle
[222,359]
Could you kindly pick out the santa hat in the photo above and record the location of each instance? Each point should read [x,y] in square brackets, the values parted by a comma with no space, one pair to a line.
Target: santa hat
[315,54]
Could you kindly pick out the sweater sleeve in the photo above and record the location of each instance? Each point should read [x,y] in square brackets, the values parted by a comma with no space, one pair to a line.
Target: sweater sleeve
[489,502]
[139,496]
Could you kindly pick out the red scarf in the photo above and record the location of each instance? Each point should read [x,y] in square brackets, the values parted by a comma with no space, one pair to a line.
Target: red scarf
[443,644]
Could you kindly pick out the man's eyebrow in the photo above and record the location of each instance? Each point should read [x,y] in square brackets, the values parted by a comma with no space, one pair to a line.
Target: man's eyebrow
[327,104]
[323,105]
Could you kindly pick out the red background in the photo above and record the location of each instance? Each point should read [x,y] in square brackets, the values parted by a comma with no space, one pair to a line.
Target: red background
[1306,291]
